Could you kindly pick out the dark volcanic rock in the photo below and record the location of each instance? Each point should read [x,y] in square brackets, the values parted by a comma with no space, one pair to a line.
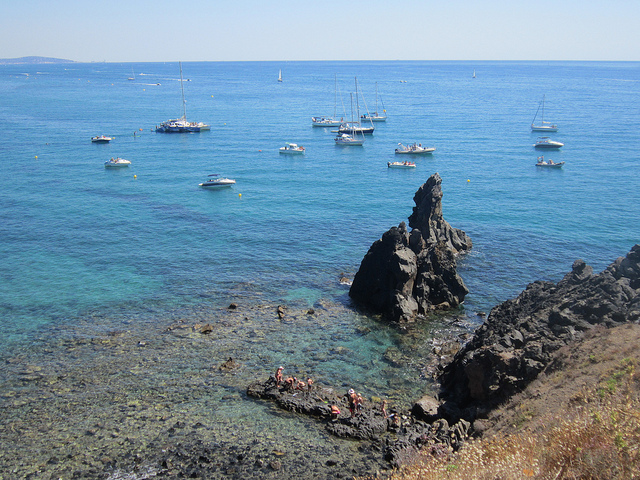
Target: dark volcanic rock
[395,435]
[405,274]
[518,338]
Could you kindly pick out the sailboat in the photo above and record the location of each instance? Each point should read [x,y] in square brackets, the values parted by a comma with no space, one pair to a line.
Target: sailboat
[474,73]
[375,116]
[132,77]
[280,75]
[181,125]
[542,126]
[357,126]
[350,136]
[329,121]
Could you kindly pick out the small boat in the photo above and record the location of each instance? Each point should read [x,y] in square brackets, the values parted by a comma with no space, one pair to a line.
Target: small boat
[326,122]
[216,181]
[116,163]
[101,139]
[356,127]
[323,121]
[292,149]
[346,139]
[474,73]
[415,149]
[375,116]
[542,126]
[549,163]
[181,125]
[546,142]
[401,165]
[280,76]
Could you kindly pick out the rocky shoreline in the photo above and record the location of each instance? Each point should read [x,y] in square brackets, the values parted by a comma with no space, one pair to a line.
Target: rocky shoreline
[515,344]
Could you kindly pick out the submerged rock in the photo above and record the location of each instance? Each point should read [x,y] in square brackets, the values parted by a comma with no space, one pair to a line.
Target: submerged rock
[405,274]
[519,337]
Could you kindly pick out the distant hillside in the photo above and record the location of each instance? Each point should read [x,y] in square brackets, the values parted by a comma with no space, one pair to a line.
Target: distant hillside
[32,60]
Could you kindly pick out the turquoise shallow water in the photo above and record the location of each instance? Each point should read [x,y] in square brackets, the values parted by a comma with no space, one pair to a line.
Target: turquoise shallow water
[134,249]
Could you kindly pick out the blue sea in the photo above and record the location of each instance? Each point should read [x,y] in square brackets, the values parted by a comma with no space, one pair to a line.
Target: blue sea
[97,265]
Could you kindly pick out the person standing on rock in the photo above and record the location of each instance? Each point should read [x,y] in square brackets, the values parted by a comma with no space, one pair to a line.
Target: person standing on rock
[353,400]
[279,376]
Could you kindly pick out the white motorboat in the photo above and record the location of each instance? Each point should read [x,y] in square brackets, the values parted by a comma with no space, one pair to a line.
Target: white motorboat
[326,122]
[292,149]
[546,142]
[116,163]
[414,149]
[548,163]
[181,125]
[401,165]
[216,181]
[542,126]
[346,139]
[101,139]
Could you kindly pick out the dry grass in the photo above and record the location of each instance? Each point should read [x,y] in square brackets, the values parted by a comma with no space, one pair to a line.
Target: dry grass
[597,437]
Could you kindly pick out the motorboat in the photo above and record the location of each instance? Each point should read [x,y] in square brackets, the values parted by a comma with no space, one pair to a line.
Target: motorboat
[415,149]
[292,149]
[216,181]
[548,163]
[401,165]
[542,126]
[546,142]
[346,139]
[101,139]
[116,163]
[325,122]
[181,125]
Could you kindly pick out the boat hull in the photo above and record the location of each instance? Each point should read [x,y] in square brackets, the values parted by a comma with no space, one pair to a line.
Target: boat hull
[325,122]
[119,163]
[351,130]
[543,128]
[291,152]
[401,165]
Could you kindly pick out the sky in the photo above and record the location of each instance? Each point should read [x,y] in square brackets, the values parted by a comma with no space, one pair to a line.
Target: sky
[289,30]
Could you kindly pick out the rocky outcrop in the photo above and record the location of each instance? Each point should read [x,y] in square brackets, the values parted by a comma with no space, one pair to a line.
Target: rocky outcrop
[406,274]
[398,436]
[519,336]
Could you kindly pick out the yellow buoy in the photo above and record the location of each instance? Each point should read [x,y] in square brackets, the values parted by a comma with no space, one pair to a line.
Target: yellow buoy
[468,180]
[135,176]
[36,156]
[240,195]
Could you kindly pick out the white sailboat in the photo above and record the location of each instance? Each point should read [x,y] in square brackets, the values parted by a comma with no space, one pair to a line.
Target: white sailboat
[357,126]
[542,126]
[280,75]
[181,125]
[329,121]
[376,116]
[350,136]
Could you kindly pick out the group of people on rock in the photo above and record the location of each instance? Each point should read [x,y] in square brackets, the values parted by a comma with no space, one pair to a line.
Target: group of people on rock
[355,400]
[292,383]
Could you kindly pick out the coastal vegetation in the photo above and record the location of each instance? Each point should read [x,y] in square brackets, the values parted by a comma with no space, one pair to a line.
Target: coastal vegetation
[579,420]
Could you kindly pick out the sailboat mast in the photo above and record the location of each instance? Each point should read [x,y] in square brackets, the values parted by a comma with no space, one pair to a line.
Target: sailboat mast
[357,101]
[542,123]
[184,104]
[376,112]
[335,95]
